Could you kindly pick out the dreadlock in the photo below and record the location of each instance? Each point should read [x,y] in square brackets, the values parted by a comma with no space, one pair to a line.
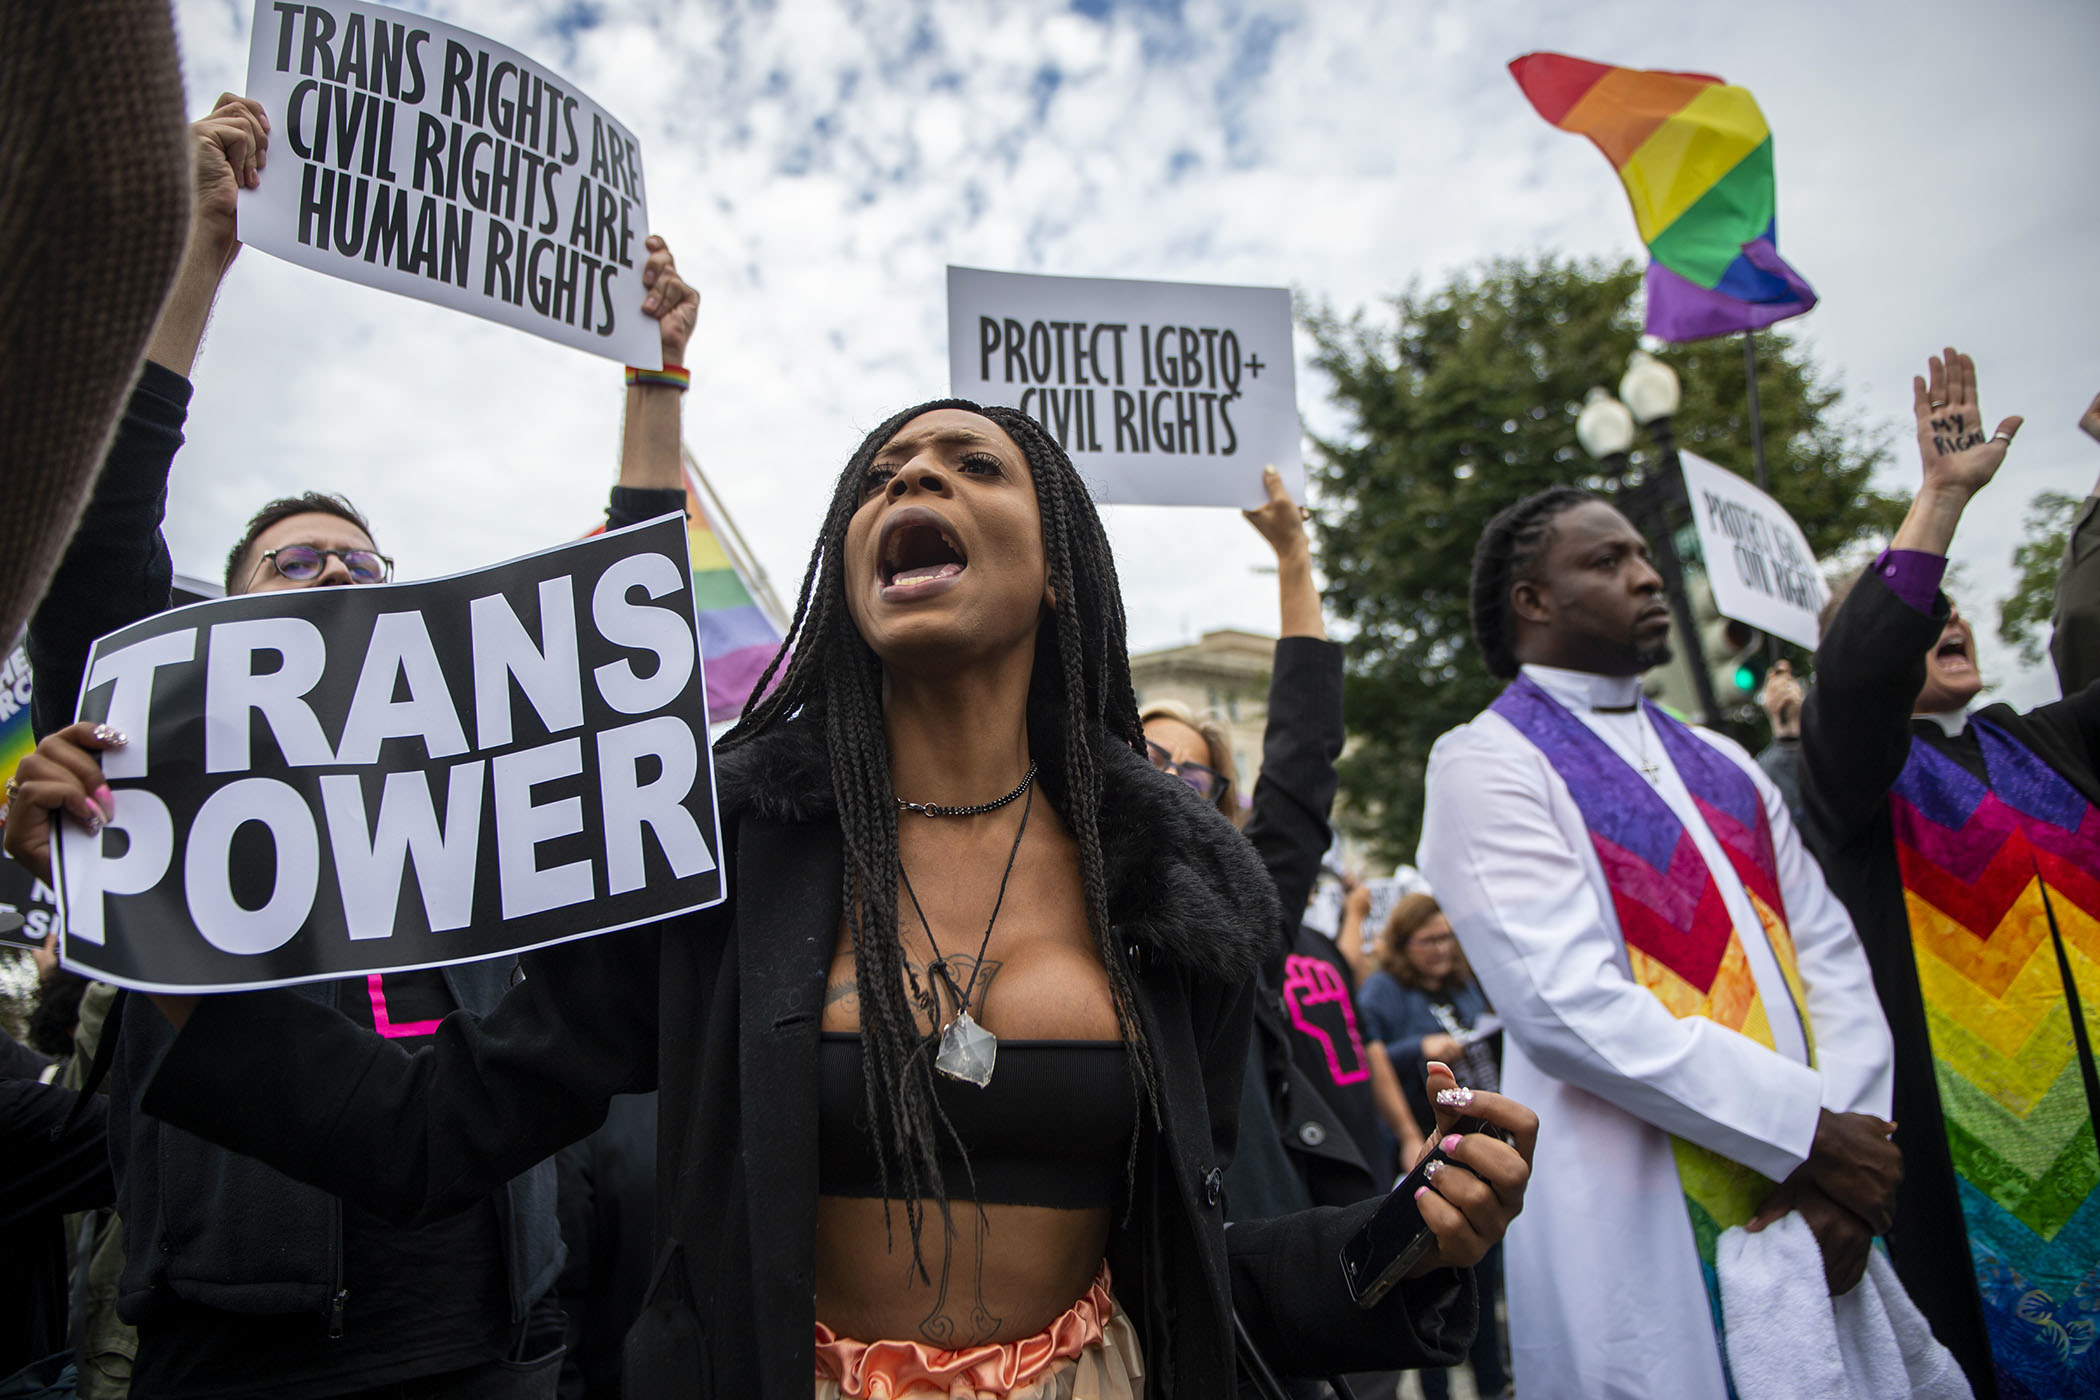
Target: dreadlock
[1508,554]
[1080,702]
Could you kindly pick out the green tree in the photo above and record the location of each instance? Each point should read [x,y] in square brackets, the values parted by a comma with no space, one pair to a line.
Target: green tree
[1463,400]
[2023,618]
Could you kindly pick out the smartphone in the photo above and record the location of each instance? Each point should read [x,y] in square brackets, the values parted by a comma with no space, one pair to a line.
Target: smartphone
[1394,1240]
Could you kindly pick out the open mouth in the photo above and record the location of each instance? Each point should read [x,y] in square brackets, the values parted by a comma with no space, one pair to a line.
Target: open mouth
[1952,654]
[918,548]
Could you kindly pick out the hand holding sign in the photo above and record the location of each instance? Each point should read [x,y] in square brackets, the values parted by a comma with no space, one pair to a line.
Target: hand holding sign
[232,145]
[671,302]
[63,774]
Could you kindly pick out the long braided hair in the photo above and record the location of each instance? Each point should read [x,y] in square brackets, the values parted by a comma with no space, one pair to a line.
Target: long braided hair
[1508,553]
[1080,702]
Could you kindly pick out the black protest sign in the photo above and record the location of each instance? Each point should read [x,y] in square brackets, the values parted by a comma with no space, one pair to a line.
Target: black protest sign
[323,782]
[424,159]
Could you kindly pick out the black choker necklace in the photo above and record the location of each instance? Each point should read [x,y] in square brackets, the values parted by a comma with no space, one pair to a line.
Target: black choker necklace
[935,809]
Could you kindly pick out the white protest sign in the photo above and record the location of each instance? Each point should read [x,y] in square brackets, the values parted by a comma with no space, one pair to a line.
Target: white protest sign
[1758,561]
[423,159]
[1164,393]
[329,781]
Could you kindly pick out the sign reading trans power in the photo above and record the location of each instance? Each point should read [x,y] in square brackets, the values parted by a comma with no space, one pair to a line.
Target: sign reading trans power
[417,157]
[331,781]
[1164,393]
[1757,559]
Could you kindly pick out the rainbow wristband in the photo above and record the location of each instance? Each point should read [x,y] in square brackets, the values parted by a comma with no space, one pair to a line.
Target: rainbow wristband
[670,377]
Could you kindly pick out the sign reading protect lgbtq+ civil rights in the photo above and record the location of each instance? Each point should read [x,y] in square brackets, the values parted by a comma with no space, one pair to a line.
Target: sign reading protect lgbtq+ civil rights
[331,781]
[1757,559]
[412,156]
[1164,393]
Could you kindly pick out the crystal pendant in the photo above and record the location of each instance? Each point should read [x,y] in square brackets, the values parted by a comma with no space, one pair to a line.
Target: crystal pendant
[968,1051]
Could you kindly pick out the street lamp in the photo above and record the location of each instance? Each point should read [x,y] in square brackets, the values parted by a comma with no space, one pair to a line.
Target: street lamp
[1649,388]
[1605,428]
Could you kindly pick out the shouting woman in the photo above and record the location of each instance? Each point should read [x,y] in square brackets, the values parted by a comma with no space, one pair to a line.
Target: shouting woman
[949,1083]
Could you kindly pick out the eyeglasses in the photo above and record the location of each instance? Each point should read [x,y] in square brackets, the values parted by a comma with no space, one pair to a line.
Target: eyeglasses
[302,563]
[1208,782]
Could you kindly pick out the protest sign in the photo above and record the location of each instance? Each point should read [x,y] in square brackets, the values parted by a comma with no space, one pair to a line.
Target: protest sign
[328,781]
[1758,561]
[1164,393]
[420,158]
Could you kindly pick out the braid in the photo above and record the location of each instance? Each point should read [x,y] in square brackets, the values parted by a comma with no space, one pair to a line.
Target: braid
[1508,554]
[1080,701]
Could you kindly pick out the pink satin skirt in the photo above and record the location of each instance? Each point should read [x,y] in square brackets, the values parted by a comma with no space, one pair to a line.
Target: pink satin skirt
[1089,1352]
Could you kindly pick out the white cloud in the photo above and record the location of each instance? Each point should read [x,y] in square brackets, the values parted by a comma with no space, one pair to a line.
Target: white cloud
[818,162]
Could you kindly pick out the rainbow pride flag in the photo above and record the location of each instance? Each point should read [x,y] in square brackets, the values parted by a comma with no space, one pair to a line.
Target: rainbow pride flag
[1696,159]
[739,630]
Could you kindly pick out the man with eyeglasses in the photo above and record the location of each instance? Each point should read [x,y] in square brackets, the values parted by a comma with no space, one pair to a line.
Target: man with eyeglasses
[240,1281]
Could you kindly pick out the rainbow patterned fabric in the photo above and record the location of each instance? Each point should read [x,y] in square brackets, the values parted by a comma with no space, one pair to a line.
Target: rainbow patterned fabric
[1680,942]
[1695,156]
[1979,859]
[737,638]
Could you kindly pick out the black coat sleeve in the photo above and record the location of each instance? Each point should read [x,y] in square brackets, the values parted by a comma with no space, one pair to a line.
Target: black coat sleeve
[417,1136]
[631,505]
[57,1161]
[116,570]
[1295,793]
[1855,724]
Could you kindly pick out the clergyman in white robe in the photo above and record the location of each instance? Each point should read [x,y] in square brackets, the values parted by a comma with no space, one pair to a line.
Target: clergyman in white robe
[1605,1293]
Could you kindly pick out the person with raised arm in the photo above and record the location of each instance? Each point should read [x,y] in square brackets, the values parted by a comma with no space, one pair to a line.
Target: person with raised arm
[248,1277]
[949,1083]
[1678,989]
[1966,843]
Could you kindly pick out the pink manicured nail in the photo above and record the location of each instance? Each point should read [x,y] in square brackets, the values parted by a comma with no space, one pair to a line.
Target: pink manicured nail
[105,801]
[1454,1098]
[1429,1172]
[107,734]
[1420,1192]
[95,818]
[1450,1144]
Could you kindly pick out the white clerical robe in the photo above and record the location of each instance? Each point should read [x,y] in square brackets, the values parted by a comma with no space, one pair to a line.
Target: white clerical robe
[1605,1293]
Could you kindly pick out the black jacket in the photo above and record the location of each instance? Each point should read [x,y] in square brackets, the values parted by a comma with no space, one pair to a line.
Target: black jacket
[1856,735]
[201,1223]
[721,1011]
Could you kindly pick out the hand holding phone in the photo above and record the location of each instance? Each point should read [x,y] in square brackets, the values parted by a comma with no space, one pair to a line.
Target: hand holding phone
[1457,1200]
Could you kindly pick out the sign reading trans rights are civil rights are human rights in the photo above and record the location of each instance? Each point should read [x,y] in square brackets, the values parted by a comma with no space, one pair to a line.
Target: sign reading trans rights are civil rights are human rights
[423,159]
[330,781]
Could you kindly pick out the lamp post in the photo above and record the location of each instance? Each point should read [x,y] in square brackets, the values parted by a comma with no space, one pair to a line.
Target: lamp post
[1606,428]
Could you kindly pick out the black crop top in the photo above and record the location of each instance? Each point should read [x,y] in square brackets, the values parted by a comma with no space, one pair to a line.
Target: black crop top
[1051,1129]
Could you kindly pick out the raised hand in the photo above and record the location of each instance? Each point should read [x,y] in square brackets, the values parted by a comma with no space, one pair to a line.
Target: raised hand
[231,146]
[1781,699]
[1469,1203]
[1957,456]
[1279,520]
[672,301]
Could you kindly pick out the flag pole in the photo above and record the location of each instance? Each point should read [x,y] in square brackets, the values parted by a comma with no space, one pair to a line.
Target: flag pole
[733,543]
[1757,445]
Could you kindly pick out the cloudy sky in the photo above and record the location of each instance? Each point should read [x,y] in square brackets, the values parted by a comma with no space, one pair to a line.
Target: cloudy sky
[818,163]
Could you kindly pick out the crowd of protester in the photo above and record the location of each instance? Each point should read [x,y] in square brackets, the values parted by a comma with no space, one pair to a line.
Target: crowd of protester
[711,1156]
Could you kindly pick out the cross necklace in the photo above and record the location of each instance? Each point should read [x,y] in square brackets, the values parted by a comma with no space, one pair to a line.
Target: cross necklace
[1648,767]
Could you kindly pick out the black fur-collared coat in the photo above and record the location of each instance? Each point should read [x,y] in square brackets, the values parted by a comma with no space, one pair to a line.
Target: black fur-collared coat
[720,1012]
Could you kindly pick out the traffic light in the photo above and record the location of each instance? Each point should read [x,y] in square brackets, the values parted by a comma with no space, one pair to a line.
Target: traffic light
[1737,658]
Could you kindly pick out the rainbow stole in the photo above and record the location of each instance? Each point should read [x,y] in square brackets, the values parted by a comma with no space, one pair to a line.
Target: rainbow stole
[1984,866]
[1680,942]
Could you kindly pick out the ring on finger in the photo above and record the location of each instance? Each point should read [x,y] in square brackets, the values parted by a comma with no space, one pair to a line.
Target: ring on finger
[1937,403]
[2005,438]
